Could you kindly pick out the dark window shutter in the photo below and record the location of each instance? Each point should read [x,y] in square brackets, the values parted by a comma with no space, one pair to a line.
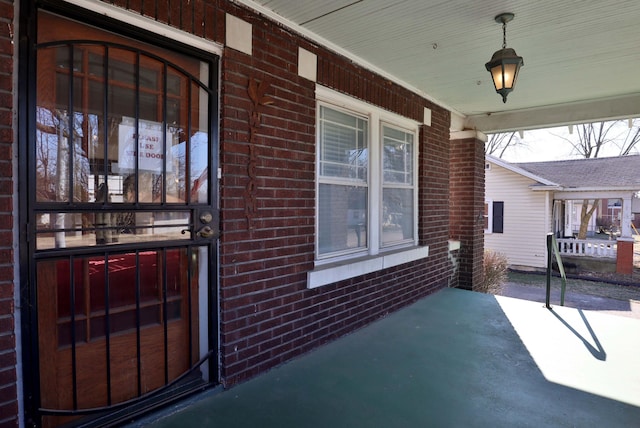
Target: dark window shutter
[498,217]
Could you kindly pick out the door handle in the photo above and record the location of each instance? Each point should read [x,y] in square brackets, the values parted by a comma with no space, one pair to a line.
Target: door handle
[206,232]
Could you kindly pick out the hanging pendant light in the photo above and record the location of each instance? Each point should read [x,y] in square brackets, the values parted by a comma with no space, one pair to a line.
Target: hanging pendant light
[505,63]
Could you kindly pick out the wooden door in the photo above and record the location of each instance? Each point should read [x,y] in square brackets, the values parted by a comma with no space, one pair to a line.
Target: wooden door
[114,328]
[121,220]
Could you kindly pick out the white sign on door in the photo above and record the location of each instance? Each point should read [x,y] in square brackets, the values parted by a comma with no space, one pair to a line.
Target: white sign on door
[149,149]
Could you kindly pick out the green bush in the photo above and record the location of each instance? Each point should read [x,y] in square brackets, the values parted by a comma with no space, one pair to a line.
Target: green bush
[495,272]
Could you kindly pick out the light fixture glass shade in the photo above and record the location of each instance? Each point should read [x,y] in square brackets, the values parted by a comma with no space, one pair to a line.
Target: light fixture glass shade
[504,67]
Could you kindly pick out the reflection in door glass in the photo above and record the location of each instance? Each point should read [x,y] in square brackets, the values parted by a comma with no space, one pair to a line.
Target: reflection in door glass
[135,289]
[121,114]
[199,141]
[70,230]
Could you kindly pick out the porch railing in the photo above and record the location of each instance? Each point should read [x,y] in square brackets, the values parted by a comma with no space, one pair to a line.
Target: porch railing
[587,247]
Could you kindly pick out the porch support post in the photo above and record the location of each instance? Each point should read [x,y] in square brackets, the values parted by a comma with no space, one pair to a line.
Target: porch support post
[624,262]
[466,204]
[625,222]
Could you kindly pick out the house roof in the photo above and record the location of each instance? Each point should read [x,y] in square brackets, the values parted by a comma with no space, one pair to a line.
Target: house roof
[515,168]
[610,172]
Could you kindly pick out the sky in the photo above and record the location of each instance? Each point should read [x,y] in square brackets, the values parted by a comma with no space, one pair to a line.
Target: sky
[540,145]
[550,144]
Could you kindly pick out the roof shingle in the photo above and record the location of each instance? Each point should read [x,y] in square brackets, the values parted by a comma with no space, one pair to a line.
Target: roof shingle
[621,171]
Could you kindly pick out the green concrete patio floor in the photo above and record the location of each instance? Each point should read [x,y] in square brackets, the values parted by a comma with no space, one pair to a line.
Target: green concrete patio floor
[453,359]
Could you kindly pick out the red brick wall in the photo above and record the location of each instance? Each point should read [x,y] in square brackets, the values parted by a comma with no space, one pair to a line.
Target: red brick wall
[268,315]
[203,18]
[467,205]
[434,192]
[8,357]
[263,265]
[344,76]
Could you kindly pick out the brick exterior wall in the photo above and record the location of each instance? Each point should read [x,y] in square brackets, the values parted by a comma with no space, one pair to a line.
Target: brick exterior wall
[203,18]
[8,357]
[434,196]
[467,207]
[267,314]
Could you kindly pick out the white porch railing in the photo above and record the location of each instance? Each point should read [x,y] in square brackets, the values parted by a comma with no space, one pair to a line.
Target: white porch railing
[588,247]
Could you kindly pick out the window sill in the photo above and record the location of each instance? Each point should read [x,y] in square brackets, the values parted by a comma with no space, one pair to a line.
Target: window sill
[328,274]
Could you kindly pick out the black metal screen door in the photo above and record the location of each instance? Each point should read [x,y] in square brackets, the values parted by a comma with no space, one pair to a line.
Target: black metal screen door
[122,222]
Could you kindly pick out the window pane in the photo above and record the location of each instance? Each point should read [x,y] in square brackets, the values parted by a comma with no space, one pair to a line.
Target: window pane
[199,150]
[178,126]
[63,59]
[85,127]
[123,70]
[52,155]
[133,281]
[342,218]
[62,129]
[68,230]
[486,216]
[397,156]
[397,221]
[343,145]
[200,167]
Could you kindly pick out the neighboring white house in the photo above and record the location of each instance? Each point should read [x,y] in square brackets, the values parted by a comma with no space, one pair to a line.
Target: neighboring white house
[524,202]
[517,219]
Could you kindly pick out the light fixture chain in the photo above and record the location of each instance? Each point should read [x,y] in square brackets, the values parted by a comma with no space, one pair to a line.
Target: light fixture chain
[504,35]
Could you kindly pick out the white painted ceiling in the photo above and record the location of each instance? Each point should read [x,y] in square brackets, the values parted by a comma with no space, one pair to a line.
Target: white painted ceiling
[581,57]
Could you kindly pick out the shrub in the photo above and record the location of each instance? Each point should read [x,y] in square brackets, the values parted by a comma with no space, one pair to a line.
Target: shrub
[495,272]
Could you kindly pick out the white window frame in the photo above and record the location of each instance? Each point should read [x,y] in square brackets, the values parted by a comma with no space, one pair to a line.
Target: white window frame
[413,185]
[489,216]
[342,265]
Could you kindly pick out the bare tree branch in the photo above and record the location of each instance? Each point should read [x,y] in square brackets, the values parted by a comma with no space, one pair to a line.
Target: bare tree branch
[497,144]
[631,140]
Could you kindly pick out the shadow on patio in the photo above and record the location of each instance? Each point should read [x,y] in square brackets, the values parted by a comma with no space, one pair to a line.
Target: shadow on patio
[453,359]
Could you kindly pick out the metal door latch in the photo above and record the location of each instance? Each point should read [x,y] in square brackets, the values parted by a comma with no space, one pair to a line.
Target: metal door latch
[206,232]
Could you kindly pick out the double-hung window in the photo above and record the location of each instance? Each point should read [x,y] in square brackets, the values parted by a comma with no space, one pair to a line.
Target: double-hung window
[366,178]
[344,181]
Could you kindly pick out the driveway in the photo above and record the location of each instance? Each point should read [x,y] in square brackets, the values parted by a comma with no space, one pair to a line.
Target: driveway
[628,308]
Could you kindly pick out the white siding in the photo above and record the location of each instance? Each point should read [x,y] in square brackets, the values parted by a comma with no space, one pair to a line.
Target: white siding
[526,219]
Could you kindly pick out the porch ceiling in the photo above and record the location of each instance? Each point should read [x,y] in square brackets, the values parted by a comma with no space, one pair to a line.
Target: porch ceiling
[581,58]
